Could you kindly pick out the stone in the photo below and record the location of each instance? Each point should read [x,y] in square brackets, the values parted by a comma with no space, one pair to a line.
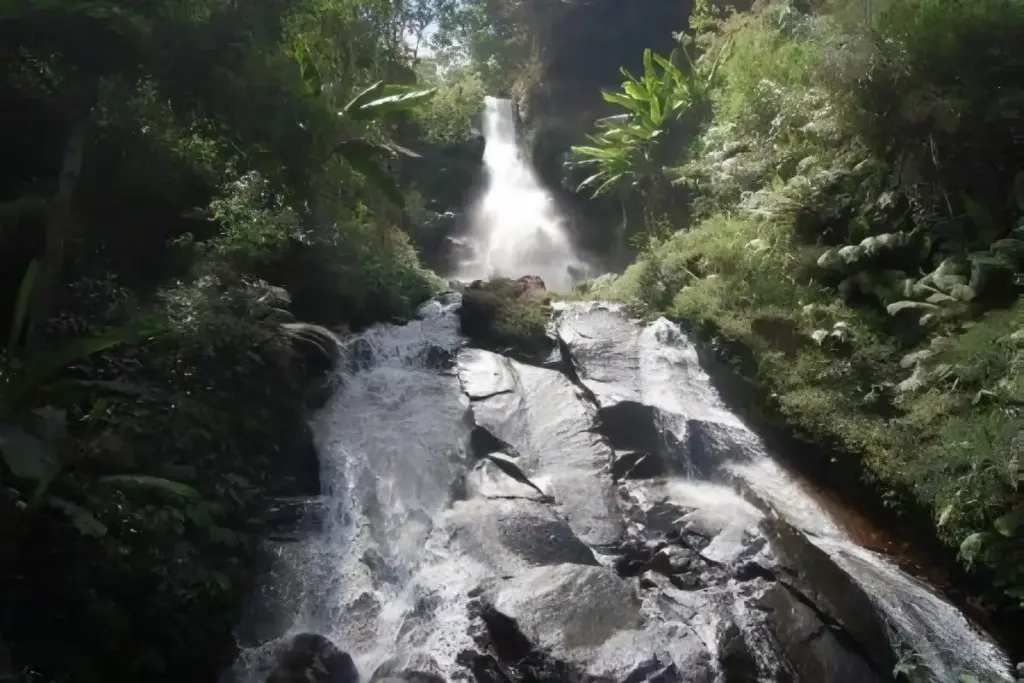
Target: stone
[412,669]
[541,417]
[313,658]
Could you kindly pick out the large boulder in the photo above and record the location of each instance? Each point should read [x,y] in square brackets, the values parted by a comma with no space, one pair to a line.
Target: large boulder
[508,315]
[313,658]
[571,622]
[541,418]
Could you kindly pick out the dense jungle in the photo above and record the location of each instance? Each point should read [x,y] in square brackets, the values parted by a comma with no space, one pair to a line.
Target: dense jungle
[199,197]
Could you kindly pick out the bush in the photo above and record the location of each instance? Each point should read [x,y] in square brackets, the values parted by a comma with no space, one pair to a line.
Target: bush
[862,238]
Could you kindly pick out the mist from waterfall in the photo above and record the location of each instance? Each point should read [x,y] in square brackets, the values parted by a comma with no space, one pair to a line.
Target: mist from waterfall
[516,228]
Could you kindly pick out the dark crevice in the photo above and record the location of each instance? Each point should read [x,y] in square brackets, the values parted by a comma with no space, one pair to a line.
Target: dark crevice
[484,397]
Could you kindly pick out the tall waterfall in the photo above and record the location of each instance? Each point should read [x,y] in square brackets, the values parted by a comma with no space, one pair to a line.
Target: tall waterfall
[515,226]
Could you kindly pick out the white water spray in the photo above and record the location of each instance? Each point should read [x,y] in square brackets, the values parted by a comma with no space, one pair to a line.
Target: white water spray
[516,229]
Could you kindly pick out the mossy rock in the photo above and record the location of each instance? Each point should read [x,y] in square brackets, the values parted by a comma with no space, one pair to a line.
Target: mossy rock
[510,316]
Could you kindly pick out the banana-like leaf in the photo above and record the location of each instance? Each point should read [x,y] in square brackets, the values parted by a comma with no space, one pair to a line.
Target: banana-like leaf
[637,92]
[41,366]
[28,286]
[84,521]
[159,483]
[611,181]
[621,100]
[362,98]
[383,105]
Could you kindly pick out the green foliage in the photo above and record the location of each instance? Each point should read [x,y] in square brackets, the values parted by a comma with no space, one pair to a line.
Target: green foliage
[507,315]
[449,115]
[234,172]
[858,234]
[665,107]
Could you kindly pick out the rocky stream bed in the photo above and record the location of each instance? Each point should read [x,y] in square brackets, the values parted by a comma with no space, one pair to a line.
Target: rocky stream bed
[595,516]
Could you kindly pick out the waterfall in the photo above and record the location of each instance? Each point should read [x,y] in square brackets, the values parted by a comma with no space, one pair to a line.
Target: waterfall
[391,445]
[515,226]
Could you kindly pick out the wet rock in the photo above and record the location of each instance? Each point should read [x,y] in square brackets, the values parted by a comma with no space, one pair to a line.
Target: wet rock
[490,481]
[637,465]
[808,572]
[585,623]
[295,516]
[815,651]
[651,390]
[414,669]
[508,315]
[734,655]
[312,658]
[540,415]
[510,535]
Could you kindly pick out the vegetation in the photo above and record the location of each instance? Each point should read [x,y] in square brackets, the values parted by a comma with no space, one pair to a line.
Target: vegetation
[181,179]
[510,316]
[853,240]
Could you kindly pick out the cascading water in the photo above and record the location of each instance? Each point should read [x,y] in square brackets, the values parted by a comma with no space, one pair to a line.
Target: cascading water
[515,228]
[413,526]
[418,525]
[391,445]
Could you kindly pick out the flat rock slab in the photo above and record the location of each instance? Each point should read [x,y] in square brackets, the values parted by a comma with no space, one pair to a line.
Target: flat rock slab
[511,535]
[549,426]
[590,619]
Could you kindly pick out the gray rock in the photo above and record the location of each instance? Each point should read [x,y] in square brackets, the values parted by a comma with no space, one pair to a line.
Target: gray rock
[589,621]
[541,416]
[651,391]
[312,658]
[809,573]
[511,535]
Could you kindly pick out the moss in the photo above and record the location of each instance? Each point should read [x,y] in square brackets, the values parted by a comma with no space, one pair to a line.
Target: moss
[507,315]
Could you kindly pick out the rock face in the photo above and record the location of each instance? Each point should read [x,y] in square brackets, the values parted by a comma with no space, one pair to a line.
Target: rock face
[613,522]
[538,413]
[693,580]
[312,658]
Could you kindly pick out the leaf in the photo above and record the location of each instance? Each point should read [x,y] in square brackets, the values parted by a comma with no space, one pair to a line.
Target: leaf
[945,515]
[972,546]
[397,149]
[21,304]
[897,307]
[144,481]
[384,105]
[84,521]
[1007,524]
[27,456]
[622,100]
[362,98]
[359,154]
[44,364]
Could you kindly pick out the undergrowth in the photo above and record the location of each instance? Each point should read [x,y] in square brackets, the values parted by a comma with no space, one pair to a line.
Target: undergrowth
[859,197]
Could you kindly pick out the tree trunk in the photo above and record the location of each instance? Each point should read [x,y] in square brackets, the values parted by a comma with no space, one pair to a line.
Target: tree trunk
[58,226]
